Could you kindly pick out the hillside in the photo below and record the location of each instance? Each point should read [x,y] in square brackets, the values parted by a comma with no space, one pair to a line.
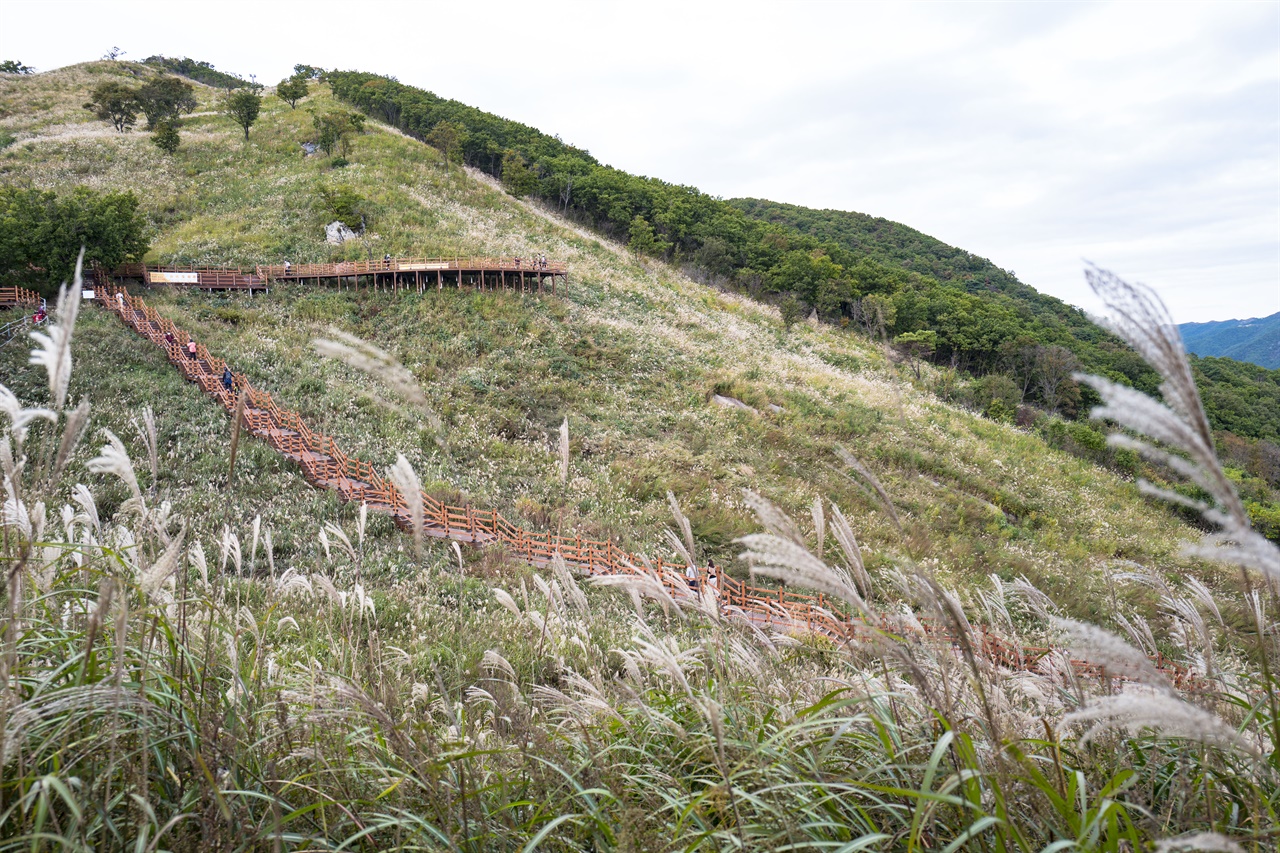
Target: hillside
[1256,340]
[630,355]
[277,673]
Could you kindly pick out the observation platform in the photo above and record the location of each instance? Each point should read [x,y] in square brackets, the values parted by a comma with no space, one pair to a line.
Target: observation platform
[395,274]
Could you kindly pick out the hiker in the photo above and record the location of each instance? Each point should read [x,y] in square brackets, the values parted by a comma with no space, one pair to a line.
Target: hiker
[170,340]
[287,267]
[386,260]
[120,299]
[713,582]
[227,379]
[517,263]
[691,575]
[39,316]
[191,349]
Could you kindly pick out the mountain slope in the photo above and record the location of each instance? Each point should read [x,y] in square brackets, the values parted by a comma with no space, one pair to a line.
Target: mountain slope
[630,354]
[1256,340]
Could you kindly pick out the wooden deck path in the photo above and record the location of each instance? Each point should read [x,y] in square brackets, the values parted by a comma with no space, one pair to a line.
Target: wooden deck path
[325,465]
[396,274]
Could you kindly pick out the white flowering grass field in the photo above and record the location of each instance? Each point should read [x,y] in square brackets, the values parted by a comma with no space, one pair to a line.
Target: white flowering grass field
[220,660]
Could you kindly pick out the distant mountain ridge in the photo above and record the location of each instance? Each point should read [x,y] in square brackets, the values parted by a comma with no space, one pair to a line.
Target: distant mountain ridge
[1255,340]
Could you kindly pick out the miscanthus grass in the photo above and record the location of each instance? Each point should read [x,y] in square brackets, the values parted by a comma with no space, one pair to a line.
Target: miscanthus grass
[159,692]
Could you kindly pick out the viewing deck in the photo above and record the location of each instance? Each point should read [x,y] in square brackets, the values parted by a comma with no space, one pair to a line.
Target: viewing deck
[394,274]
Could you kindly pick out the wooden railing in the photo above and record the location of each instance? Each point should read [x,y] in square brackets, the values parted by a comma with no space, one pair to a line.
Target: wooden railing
[325,465]
[345,268]
[19,297]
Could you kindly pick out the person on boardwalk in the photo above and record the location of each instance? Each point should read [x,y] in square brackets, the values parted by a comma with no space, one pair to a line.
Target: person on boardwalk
[120,299]
[191,349]
[713,582]
[386,261]
[39,316]
[288,267]
[228,380]
[691,575]
[170,340]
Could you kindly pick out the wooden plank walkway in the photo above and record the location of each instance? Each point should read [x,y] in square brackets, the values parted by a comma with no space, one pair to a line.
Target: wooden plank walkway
[325,465]
[526,275]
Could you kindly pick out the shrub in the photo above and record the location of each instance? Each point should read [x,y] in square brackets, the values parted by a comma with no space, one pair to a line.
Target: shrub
[166,136]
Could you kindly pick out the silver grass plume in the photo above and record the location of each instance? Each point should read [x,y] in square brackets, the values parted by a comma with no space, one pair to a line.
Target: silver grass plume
[114,459]
[564,451]
[1166,715]
[1105,649]
[147,433]
[778,558]
[772,519]
[785,558]
[19,417]
[567,582]
[54,350]
[336,533]
[379,363]
[1180,423]
[72,431]
[152,578]
[682,521]
[843,533]
[1205,842]
[881,494]
[406,482]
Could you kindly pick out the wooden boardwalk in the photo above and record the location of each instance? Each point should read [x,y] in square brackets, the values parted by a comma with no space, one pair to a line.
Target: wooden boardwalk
[395,274]
[325,465]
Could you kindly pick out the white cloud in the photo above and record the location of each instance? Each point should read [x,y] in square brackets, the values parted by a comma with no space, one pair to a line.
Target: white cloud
[1143,136]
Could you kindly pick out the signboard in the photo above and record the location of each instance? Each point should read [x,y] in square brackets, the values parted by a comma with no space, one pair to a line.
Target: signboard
[437,266]
[175,278]
[86,294]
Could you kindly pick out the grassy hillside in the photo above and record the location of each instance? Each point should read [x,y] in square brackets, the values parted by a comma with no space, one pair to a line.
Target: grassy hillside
[631,355]
[308,695]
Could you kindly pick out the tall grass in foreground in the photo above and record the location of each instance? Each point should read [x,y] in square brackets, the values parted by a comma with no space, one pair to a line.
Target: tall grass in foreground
[155,695]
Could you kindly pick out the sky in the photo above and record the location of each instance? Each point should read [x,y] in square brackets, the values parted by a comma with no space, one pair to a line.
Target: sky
[1141,136]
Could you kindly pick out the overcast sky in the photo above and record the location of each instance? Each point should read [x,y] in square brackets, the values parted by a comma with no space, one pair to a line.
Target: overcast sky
[1142,136]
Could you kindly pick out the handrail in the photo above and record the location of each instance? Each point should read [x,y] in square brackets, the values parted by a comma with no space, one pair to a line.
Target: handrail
[325,465]
[12,297]
[455,264]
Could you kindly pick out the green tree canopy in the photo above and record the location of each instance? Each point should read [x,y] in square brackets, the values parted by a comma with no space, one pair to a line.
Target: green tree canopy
[13,66]
[242,107]
[41,233]
[292,90]
[516,176]
[447,138]
[165,98]
[917,346]
[344,204]
[115,102]
[335,129]
[642,241]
